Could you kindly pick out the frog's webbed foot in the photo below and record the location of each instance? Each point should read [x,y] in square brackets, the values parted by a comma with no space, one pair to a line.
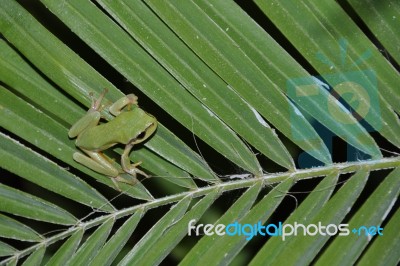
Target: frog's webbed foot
[96,103]
[133,170]
[128,100]
[127,166]
[119,178]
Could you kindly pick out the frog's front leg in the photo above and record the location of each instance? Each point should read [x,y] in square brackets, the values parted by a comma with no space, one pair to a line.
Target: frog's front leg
[98,162]
[90,119]
[128,100]
[126,163]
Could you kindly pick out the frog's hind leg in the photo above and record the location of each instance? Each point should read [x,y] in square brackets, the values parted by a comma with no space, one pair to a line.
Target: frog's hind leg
[91,119]
[98,162]
[126,164]
[128,100]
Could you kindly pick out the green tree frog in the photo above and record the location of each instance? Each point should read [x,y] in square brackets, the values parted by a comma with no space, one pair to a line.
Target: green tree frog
[130,125]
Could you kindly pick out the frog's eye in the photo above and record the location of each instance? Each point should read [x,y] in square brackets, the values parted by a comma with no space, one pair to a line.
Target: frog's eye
[145,134]
[140,137]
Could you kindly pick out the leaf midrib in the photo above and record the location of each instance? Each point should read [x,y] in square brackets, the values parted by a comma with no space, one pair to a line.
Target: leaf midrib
[341,168]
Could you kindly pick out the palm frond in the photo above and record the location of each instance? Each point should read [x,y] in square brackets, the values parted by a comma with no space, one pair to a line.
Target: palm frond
[243,100]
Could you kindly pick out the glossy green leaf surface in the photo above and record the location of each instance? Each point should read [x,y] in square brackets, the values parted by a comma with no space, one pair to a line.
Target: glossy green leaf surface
[92,245]
[10,228]
[114,245]
[385,197]
[239,209]
[65,252]
[25,205]
[173,234]
[308,209]
[332,213]
[337,48]
[35,258]
[153,235]
[379,253]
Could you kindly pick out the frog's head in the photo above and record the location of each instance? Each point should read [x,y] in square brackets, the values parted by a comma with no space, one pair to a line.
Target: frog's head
[149,128]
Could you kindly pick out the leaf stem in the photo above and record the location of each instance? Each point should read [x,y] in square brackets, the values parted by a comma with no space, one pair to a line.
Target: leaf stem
[267,179]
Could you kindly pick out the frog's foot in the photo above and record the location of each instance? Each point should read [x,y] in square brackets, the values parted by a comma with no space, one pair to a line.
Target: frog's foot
[119,178]
[96,103]
[127,166]
[132,170]
[128,100]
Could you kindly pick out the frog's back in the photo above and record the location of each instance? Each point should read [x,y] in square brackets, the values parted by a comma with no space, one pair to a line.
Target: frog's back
[122,129]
